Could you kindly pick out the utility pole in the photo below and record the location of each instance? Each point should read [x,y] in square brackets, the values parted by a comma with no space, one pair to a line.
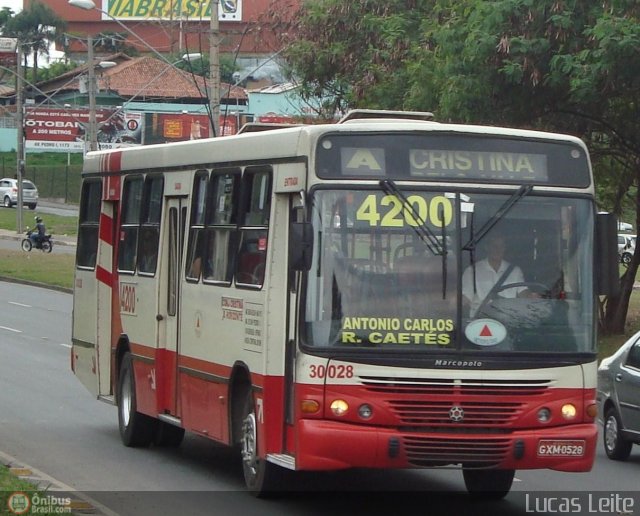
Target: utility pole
[92,132]
[214,69]
[20,140]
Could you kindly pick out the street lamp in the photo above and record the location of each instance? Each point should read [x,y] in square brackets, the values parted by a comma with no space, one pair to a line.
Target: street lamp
[214,57]
[20,140]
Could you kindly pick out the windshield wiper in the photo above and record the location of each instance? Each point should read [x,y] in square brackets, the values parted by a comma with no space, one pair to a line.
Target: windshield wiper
[521,192]
[422,230]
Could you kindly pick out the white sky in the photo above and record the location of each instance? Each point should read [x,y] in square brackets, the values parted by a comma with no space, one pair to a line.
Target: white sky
[16,5]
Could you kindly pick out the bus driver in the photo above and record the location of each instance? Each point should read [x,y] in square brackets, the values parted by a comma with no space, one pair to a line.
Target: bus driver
[476,285]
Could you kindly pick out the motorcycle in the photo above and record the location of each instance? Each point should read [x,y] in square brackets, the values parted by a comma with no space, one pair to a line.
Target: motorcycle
[46,245]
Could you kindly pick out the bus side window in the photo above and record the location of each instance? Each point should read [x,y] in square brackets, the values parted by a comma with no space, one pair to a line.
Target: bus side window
[221,225]
[150,228]
[252,258]
[89,222]
[193,264]
[256,208]
[129,225]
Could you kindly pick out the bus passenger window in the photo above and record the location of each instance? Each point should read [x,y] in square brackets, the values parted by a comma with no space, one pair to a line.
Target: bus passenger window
[194,257]
[89,222]
[128,238]
[252,258]
[148,253]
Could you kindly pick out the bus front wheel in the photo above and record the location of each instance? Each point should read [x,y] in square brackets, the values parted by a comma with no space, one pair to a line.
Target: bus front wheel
[262,478]
[490,484]
[136,429]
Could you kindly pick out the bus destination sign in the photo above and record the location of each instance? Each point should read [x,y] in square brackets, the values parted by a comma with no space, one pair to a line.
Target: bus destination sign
[490,165]
[447,157]
[460,164]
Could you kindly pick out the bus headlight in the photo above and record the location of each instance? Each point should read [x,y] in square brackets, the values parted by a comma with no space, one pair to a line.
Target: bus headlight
[569,411]
[339,407]
[544,415]
[365,411]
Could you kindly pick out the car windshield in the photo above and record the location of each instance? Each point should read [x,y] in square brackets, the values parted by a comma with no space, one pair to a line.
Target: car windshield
[28,185]
[379,280]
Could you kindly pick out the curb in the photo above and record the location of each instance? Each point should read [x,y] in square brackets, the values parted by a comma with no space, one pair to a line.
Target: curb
[9,279]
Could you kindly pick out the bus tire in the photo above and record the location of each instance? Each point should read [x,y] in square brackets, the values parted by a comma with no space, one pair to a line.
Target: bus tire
[169,435]
[262,478]
[488,484]
[136,429]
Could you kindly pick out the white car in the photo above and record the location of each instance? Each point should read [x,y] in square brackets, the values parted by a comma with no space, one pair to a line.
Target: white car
[9,193]
[626,247]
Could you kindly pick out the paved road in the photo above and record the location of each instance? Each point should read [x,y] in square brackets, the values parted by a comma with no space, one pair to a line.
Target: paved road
[49,421]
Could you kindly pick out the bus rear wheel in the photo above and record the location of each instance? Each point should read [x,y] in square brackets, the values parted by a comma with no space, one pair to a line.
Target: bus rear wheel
[488,484]
[262,478]
[136,429]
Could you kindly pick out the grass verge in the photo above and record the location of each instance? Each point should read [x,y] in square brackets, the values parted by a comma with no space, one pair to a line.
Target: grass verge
[16,495]
[37,267]
[56,224]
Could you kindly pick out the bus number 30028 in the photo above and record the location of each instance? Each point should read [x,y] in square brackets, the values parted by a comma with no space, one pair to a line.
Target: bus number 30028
[331,371]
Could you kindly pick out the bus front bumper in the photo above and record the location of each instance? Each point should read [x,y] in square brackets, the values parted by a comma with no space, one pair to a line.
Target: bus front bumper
[330,445]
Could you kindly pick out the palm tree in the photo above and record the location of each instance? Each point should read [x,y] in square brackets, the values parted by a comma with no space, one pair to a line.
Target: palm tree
[36,28]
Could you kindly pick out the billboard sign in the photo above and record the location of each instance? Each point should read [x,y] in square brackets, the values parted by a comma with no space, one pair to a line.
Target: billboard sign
[184,10]
[174,127]
[8,54]
[64,130]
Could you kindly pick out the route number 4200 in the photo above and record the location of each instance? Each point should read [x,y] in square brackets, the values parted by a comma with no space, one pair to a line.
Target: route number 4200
[391,212]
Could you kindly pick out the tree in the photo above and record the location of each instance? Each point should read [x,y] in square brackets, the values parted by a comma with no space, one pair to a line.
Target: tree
[567,66]
[562,65]
[350,54]
[36,27]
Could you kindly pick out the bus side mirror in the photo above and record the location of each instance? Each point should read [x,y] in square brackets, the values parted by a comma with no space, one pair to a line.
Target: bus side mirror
[300,246]
[606,259]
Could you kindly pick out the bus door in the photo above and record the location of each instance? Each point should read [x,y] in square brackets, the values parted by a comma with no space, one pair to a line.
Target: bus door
[175,211]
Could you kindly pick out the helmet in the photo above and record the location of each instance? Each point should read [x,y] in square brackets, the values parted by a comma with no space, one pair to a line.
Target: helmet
[38,220]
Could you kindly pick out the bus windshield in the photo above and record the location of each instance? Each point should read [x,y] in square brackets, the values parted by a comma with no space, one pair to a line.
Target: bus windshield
[404,269]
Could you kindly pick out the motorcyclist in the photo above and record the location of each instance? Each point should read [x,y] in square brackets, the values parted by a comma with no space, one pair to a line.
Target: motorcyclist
[37,235]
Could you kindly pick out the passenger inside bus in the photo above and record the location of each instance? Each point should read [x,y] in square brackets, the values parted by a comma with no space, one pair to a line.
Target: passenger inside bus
[148,254]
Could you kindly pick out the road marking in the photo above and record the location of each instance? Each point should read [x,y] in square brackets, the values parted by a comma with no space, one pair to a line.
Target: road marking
[20,304]
[10,329]
[65,345]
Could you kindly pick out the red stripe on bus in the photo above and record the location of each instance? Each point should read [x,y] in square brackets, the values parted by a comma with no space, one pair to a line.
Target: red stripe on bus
[115,161]
[103,276]
[106,229]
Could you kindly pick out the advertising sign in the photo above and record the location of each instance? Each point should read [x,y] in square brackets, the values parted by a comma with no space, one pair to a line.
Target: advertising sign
[173,127]
[8,54]
[185,10]
[64,130]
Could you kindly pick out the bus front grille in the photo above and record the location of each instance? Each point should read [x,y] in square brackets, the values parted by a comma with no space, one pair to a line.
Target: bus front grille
[436,451]
[444,386]
[443,413]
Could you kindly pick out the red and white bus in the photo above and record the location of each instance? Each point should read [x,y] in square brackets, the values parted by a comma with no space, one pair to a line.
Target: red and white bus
[298,292]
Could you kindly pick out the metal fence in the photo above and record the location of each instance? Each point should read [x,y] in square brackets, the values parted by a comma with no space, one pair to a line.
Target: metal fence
[53,182]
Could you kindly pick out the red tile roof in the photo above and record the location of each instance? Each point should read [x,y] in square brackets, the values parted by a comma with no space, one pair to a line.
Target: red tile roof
[150,77]
[142,77]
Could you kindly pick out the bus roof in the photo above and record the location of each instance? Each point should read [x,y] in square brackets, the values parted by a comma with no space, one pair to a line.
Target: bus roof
[283,142]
